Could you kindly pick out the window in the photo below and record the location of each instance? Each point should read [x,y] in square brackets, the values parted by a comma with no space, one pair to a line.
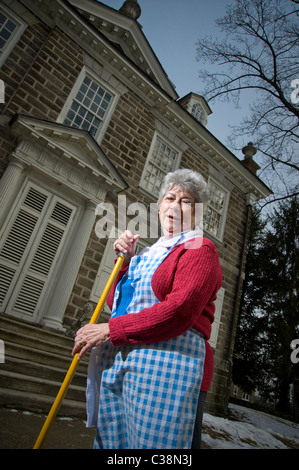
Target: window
[11,29]
[89,106]
[197,106]
[163,158]
[199,113]
[7,27]
[245,396]
[217,316]
[215,210]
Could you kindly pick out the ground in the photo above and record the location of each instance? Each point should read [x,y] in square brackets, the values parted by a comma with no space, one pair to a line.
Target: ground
[246,429]
[249,429]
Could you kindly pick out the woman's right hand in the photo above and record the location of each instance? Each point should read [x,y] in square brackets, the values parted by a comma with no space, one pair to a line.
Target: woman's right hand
[126,244]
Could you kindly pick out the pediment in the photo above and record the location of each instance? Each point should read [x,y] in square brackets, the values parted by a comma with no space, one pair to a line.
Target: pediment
[73,147]
[126,34]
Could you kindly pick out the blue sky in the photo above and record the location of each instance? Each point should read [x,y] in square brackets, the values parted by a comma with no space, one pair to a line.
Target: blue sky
[172,28]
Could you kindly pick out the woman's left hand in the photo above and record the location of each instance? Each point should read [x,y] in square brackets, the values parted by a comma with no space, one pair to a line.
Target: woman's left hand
[90,336]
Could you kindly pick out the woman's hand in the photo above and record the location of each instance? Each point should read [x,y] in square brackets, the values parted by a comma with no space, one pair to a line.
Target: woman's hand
[90,336]
[126,244]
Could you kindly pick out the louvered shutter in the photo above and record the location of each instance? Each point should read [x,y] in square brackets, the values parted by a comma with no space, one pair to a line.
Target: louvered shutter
[30,247]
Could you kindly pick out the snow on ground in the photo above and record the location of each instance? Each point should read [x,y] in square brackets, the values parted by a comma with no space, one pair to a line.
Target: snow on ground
[249,429]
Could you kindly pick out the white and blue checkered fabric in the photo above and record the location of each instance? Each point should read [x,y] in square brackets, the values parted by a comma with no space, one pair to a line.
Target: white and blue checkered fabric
[149,394]
[137,284]
[144,396]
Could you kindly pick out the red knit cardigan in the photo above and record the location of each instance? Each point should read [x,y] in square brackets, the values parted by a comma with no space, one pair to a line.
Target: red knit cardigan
[186,284]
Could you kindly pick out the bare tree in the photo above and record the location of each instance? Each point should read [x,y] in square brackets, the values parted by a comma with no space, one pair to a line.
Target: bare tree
[259,52]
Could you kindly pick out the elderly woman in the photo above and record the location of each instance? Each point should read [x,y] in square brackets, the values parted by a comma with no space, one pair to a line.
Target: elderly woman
[151,360]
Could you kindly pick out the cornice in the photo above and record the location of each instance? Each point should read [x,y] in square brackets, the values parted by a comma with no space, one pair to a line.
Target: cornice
[162,106]
[61,14]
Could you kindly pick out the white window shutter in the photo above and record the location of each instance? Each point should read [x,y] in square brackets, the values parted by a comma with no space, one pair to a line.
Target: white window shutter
[31,245]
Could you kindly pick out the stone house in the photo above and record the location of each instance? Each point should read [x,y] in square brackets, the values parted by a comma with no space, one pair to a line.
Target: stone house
[89,116]
[238,394]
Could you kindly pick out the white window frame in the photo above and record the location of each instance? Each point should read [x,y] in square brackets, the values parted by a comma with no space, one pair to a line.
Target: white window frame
[170,144]
[15,36]
[217,318]
[108,114]
[199,113]
[220,232]
[246,396]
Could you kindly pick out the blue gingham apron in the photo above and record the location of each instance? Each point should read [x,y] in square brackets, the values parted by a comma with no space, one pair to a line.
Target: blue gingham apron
[144,396]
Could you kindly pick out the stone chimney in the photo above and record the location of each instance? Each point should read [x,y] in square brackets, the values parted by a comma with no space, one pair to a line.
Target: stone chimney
[249,151]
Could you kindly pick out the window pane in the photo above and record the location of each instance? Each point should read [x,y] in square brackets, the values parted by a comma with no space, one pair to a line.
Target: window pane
[10,26]
[198,112]
[2,19]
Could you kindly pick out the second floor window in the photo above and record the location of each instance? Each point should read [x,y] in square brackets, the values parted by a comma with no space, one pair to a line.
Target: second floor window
[7,27]
[11,29]
[89,106]
[162,159]
[215,210]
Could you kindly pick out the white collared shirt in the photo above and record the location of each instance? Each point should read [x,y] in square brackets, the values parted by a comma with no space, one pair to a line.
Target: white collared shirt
[163,244]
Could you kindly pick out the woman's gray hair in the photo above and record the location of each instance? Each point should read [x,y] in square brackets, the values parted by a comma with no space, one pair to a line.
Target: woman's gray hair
[189,180]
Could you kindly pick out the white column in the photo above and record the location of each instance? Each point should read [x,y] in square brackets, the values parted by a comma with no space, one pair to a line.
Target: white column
[61,293]
[9,186]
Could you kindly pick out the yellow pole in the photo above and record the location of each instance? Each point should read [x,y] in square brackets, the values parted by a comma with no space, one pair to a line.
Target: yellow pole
[72,369]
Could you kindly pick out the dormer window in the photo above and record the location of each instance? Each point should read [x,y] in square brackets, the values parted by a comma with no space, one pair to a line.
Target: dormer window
[199,113]
[197,106]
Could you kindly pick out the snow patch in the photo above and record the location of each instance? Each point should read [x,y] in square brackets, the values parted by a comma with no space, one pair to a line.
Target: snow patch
[251,430]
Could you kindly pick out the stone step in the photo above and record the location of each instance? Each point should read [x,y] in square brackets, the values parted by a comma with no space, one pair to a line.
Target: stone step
[29,334]
[42,357]
[36,343]
[41,403]
[21,382]
[44,371]
[36,362]
[16,326]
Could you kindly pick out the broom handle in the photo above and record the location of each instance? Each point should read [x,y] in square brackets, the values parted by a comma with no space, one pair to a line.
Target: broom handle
[72,369]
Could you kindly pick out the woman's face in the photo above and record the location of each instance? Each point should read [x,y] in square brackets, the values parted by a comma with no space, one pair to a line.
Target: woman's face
[177,212]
